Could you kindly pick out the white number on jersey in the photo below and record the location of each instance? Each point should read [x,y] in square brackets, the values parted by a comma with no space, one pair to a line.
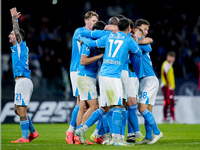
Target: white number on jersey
[119,42]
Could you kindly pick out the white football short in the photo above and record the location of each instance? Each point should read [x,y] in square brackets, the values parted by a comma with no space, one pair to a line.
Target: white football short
[23,91]
[87,88]
[125,80]
[148,90]
[133,85]
[111,91]
[73,78]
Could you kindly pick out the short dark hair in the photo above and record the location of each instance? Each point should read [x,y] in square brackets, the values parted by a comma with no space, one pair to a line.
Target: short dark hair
[121,16]
[139,22]
[99,25]
[113,21]
[123,24]
[171,53]
[131,23]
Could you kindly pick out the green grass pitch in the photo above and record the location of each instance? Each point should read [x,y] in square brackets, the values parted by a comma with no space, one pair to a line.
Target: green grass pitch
[52,136]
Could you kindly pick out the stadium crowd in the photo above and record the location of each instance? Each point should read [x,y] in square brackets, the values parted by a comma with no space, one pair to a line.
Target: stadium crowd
[49,35]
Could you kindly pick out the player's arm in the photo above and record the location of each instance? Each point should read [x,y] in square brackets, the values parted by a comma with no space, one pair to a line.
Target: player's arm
[89,42]
[145,41]
[96,34]
[85,60]
[135,48]
[95,43]
[146,48]
[15,15]
[113,28]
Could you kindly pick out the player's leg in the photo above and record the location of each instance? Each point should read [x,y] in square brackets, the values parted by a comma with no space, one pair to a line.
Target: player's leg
[165,102]
[149,87]
[70,131]
[23,92]
[172,104]
[130,136]
[107,136]
[114,94]
[91,120]
[81,112]
[24,123]
[93,105]
[132,108]
[99,137]
[125,81]
[96,114]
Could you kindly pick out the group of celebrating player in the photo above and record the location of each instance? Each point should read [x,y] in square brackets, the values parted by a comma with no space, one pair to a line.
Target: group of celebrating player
[121,51]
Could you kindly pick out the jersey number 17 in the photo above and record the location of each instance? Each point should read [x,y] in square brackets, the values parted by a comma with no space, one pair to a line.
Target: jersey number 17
[119,44]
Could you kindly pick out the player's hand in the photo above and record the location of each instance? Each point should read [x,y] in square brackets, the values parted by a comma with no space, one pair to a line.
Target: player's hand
[113,28]
[100,56]
[134,37]
[14,13]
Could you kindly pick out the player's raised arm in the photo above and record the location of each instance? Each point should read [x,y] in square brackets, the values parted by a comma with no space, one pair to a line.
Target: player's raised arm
[15,15]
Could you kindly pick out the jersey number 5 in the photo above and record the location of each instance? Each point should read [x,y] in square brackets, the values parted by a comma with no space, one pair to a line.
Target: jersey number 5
[119,42]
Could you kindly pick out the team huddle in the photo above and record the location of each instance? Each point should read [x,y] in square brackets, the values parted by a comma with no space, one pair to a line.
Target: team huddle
[115,55]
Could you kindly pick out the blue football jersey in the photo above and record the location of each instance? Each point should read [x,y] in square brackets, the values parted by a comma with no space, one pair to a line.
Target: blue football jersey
[117,46]
[20,61]
[76,48]
[89,70]
[143,67]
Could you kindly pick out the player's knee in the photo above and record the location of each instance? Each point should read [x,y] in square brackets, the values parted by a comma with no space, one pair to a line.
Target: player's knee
[141,108]
[16,110]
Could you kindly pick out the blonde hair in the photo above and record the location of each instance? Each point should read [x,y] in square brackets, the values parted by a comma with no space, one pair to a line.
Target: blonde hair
[90,14]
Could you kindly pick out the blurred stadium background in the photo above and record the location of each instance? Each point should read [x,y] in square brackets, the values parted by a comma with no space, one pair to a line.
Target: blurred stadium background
[49,29]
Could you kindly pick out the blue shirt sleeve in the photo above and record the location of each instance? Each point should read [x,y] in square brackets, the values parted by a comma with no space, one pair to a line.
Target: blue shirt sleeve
[96,34]
[146,48]
[85,50]
[102,41]
[86,33]
[89,42]
[95,43]
[135,48]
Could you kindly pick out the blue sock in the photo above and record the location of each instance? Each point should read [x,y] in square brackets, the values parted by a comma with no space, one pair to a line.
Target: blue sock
[74,116]
[31,127]
[151,121]
[79,126]
[24,126]
[101,128]
[130,128]
[133,117]
[94,117]
[109,120]
[148,130]
[99,124]
[105,123]
[117,120]
[123,121]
